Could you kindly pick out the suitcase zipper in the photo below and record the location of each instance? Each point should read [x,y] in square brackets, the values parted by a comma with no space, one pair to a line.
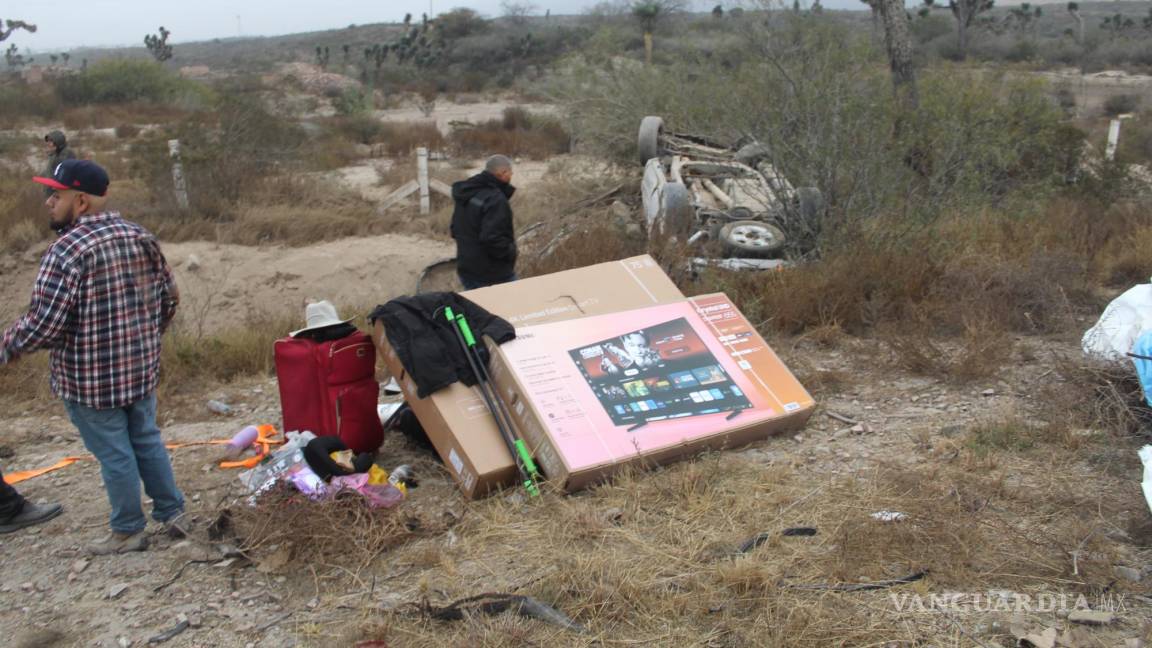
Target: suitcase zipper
[358,347]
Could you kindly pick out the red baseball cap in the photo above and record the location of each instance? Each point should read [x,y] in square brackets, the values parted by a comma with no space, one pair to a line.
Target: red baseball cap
[78,175]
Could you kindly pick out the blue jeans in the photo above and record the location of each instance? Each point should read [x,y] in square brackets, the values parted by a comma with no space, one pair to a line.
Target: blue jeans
[472,284]
[127,443]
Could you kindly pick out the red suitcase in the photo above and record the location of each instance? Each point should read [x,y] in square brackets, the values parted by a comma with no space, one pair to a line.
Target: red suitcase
[330,389]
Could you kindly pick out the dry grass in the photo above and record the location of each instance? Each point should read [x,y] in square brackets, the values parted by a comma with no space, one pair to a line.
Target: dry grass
[651,556]
[518,133]
[342,531]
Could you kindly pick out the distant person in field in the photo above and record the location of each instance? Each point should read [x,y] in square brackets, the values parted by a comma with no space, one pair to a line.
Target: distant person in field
[482,226]
[56,144]
[102,298]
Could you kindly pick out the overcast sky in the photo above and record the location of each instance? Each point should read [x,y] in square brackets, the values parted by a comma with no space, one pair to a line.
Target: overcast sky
[66,24]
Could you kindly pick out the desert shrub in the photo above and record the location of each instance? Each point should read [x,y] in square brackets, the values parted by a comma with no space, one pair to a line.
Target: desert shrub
[127,131]
[21,100]
[361,128]
[353,101]
[1121,104]
[517,133]
[125,80]
[22,220]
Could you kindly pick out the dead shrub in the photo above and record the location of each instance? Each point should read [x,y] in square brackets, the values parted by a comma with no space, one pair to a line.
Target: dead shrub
[343,531]
[596,244]
[518,133]
[1101,395]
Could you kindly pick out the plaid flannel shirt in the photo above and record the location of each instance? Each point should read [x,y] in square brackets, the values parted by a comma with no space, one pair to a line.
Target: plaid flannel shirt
[103,297]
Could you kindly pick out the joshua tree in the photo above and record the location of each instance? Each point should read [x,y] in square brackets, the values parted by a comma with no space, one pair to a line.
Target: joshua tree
[1074,11]
[965,12]
[65,56]
[1117,24]
[1023,18]
[322,57]
[10,26]
[650,13]
[718,12]
[158,45]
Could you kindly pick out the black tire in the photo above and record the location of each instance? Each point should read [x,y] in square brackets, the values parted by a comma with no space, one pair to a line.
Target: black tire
[677,215]
[648,141]
[751,239]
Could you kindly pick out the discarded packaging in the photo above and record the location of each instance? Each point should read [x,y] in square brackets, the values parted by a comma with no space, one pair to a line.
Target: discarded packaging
[889,516]
[1121,323]
[455,418]
[1146,485]
[644,387]
[218,407]
[278,464]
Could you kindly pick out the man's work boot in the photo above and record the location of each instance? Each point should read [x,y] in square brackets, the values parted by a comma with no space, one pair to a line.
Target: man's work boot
[30,515]
[117,543]
[177,528]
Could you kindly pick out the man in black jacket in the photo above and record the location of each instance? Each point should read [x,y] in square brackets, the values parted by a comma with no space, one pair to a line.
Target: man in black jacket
[482,226]
[56,145]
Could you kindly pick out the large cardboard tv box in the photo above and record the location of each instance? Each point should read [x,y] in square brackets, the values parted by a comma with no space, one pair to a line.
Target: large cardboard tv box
[456,419]
[644,386]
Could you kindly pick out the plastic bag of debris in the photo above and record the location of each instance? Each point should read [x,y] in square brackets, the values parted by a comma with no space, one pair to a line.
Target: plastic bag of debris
[1121,324]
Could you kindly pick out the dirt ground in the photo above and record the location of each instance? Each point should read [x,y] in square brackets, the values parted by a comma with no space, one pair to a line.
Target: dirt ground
[52,595]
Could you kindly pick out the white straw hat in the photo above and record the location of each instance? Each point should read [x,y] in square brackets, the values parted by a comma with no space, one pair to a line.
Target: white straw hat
[320,314]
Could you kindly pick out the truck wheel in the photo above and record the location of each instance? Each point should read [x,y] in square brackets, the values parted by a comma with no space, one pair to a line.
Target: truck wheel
[677,215]
[751,239]
[648,141]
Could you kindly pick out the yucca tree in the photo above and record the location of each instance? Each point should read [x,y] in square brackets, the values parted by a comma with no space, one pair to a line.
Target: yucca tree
[649,13]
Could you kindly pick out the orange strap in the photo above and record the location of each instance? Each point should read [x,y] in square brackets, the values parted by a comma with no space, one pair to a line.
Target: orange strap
[19,476]
[267,436]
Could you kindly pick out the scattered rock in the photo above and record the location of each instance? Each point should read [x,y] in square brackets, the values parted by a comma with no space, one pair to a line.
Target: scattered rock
[123,642]
[614,515]
[988,392]
[1128,573]
[313,603]
[1046,639]
[79,566]
[633,230]
[861,428]
[1091,617]
[116,590]
[192,264]
[275,561]
[951,430]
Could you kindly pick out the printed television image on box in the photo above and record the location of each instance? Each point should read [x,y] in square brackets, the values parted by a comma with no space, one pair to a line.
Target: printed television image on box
[656,373]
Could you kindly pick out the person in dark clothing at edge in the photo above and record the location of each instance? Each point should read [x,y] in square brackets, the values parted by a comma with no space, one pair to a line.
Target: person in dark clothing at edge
[482,226]
[56,144]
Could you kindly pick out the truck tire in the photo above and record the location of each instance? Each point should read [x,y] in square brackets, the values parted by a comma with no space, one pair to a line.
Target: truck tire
[677,215]
[648,141]
[751,239]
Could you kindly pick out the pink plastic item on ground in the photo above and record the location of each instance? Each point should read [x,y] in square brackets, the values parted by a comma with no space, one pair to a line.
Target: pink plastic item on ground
[378,496]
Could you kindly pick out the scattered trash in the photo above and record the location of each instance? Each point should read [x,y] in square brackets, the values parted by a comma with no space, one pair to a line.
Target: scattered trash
[1146,484]
[861,587]
[761,538]
[841,418]
[391,387]
[988,392]
[1046,639]
[491,604]
[889,516]
[1121,323]
[218,407]
[268,472]
[180,626]
[1091,617]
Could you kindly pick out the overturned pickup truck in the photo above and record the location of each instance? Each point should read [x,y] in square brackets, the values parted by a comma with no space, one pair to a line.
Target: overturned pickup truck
[728,202]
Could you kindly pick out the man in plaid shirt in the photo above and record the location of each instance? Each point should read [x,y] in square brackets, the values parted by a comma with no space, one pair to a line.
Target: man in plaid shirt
[103,297]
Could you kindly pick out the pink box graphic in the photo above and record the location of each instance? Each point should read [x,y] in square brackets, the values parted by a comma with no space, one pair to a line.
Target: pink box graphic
[613,387]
